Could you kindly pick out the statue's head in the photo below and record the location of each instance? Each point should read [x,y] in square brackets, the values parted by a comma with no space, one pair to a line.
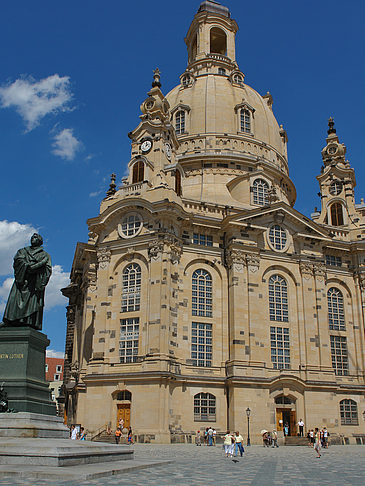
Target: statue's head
[36,240]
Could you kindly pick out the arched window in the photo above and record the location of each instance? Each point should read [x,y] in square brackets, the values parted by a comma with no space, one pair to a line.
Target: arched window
[278,299]
[124,395]
[178,188]
[282,400]
[202,294]
[186,80]
[131,288]
[245,118]
[336,314]
[260,192]
[221,71]
[180,122]
[348,412]
[204,407]
[218,41]
[336,214]
[138,172]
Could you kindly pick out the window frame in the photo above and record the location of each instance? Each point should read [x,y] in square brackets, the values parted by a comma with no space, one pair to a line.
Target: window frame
[260,194]
[201,293]
[277,238]
[336,310]
[127,231]
[138,171]
[202,344]
[340,361]
[131,293]
[199,404]
[280,347]
[133,338]
[353,418]
[278,304]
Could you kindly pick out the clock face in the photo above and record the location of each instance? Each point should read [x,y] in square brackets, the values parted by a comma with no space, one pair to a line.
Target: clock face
[168,151]
[146,146]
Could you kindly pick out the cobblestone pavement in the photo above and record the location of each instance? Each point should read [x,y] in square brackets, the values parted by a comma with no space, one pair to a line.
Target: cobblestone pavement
[339,465]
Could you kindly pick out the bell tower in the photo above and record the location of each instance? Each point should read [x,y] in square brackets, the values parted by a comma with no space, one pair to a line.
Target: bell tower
[337,183]
[211,39]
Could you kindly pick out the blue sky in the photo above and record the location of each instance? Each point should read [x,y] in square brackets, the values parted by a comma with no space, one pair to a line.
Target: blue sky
[73,75]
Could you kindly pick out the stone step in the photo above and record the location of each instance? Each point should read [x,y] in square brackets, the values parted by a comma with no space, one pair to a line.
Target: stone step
[60,452]
[296,441]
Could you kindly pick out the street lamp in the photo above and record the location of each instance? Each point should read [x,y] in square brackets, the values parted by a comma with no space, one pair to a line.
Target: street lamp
[248,412]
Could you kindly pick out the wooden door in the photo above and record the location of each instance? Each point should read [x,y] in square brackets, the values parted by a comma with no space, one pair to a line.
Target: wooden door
[124,412]
[293,423]
[279,417]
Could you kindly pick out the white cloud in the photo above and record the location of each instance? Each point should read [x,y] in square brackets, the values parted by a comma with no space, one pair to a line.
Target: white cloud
[94,194]
[51,353]
[59,279]
[13,236]
[4,292]
[33,100]
[66,145]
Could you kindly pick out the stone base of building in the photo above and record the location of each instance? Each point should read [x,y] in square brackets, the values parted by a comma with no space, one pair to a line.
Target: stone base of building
[25,424]
[22,369]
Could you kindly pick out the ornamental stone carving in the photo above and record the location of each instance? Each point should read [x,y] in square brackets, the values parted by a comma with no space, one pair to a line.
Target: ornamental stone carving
[89,280]
[320,271]
[155,249]
[168,243]
[306,270]
[103,256]
[253,262]
[236,260]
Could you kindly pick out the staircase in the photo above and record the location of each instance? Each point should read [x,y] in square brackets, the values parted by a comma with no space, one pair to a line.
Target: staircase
[296,441]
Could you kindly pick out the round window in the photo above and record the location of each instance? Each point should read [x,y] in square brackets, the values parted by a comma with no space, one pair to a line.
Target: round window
[332,150]
[131,225]
[336,188]
[277,237]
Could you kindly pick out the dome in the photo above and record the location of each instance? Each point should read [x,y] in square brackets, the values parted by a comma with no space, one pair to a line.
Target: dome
[214,103]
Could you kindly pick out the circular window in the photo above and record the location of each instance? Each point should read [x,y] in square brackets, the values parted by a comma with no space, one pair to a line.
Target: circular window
[238,79]
[131,225]
[277,238]
[149,104]
[332,150]
[336,188]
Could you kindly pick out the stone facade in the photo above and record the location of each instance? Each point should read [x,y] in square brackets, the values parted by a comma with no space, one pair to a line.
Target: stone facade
[202,291]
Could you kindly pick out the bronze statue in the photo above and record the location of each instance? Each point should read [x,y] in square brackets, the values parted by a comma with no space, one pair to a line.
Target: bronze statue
[32,271]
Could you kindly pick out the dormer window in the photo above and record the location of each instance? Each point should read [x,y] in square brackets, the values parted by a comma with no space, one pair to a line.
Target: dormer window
[180,122]
[138,172]
[237,78]
[245,120]
[221,71]
[186,80]
[336,214]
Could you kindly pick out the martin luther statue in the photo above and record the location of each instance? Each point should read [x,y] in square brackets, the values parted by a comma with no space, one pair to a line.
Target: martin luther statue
[32,271]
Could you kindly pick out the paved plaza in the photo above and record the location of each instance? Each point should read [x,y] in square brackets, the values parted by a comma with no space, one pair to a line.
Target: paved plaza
[192,465]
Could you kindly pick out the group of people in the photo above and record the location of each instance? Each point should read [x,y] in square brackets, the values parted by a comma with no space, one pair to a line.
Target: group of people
[119,433]
[270,439]
[77,433]
[318,438]
[209,437]
[233,443]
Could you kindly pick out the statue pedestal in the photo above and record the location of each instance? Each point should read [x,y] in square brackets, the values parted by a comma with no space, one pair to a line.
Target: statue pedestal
[22,369]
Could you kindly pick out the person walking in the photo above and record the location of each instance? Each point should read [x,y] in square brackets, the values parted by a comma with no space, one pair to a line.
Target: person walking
[238,444]
[210,436]
[117,435]
[130,436]
[198,438]
[317,441]
[73,432]
[274,438]
[286,430]
[82,434]
[301,428]
[228,442]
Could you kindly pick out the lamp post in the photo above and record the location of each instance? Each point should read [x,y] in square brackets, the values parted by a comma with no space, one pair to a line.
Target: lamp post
[248,412]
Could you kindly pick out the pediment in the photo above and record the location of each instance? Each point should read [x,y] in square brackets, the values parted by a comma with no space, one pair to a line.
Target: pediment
[281,213]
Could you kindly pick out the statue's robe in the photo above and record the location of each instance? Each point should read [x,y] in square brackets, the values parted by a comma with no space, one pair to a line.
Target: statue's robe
[26,299]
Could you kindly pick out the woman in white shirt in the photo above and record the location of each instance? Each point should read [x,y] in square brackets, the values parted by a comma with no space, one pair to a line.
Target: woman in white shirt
[229,443]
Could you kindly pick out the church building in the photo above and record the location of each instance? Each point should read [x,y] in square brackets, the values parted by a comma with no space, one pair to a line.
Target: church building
[202,294]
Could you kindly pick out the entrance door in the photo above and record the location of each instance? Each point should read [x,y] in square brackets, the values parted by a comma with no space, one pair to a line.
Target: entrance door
[286,416]
[124,412]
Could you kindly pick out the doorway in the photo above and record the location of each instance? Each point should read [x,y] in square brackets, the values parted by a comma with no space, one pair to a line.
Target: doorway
[286,416]
[124,412]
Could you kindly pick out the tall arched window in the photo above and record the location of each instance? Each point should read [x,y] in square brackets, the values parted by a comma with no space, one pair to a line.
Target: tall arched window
[131,288]
[348,412]
[336,313]
[138,172]
[245,117]
[202,293]
[218,41]
[204,407]
[278,299]
[180,122]
[336,214]
[260,192]
[178,188]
